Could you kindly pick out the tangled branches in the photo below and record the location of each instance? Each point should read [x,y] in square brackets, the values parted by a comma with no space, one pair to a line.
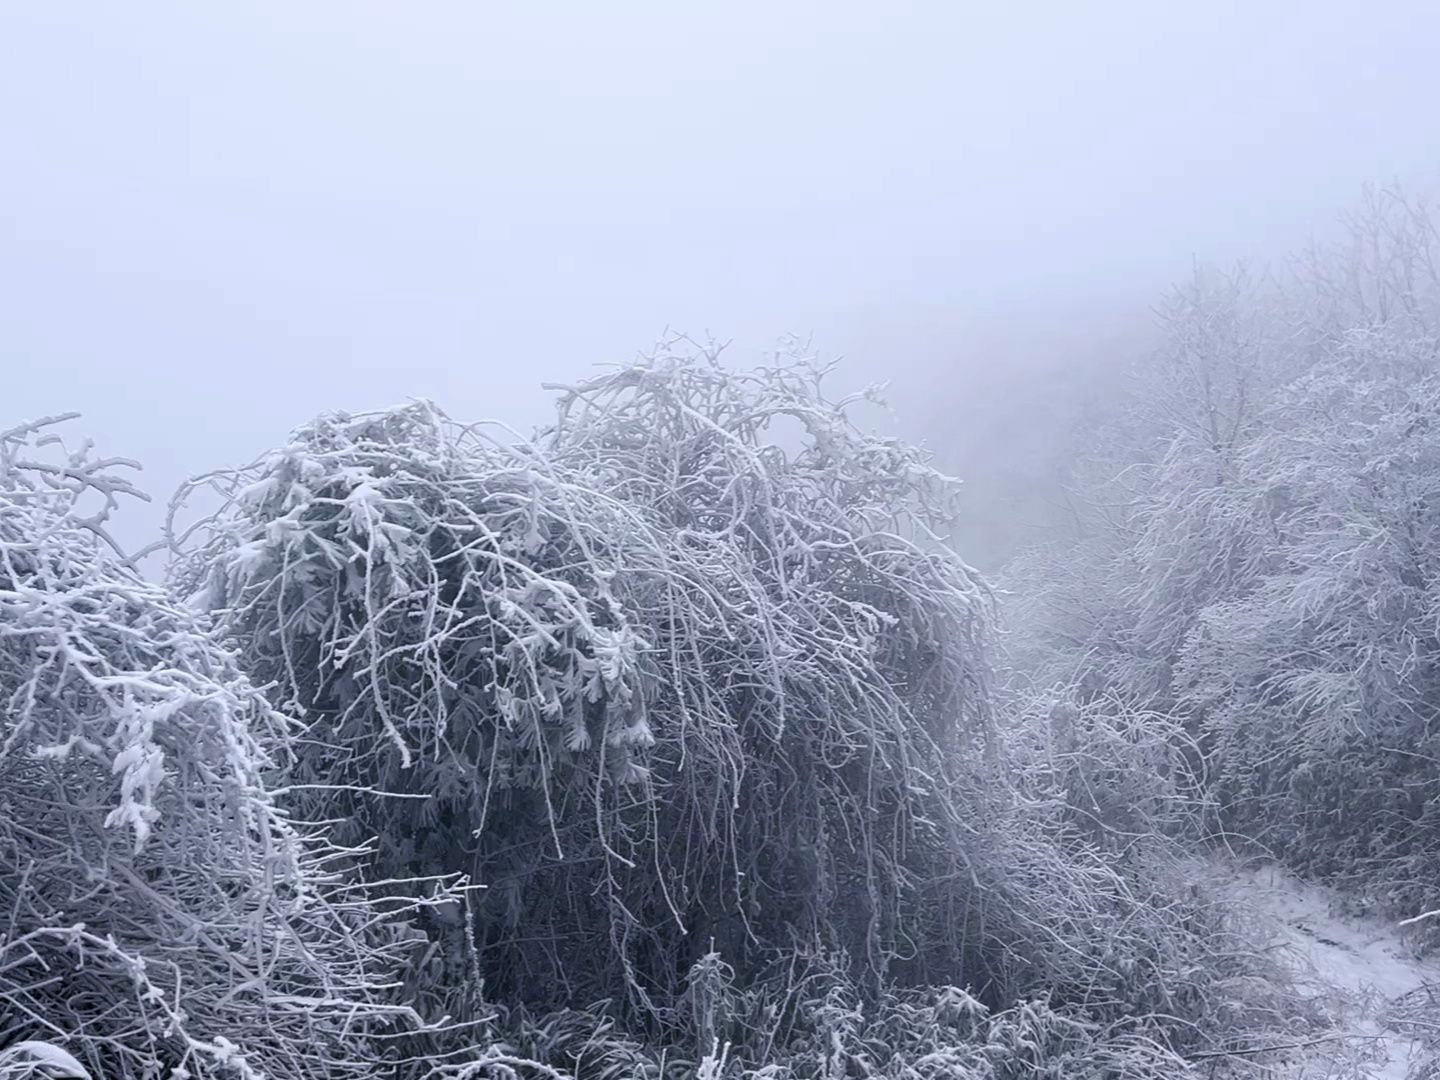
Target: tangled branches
[687,683]
[158,912]
[689,667]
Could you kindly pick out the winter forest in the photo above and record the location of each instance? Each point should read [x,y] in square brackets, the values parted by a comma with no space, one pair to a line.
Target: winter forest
[675,739]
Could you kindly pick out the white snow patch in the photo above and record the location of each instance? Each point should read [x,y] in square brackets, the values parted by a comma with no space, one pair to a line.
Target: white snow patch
[1364,962]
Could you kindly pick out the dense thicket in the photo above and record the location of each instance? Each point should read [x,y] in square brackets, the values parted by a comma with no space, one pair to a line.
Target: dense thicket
[686,687]
[159,914]
[664,683]
[1261,559]
[690,686]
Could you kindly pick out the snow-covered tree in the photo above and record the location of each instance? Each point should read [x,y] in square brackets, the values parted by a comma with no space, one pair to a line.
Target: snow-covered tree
[1318,684]
[1270,576]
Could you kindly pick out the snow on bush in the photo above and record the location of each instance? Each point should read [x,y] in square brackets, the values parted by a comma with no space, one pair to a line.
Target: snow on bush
[159,915]
[689,684]
[1317,683]
[666,677]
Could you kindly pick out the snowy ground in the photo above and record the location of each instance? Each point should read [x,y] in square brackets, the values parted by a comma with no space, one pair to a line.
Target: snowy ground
[1379,997]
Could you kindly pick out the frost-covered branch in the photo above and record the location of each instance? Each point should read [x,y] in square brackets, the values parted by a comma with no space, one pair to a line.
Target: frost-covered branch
[159,913]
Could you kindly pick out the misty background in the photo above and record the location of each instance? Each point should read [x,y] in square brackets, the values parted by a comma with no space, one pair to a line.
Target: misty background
[218,222]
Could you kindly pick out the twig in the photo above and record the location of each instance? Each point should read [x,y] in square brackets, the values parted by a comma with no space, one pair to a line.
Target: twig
[1247,1051]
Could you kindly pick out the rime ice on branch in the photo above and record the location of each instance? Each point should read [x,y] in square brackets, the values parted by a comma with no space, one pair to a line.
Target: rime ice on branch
[158,913]
[689,666]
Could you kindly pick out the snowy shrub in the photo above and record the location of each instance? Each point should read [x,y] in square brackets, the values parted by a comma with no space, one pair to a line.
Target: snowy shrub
[159,915]
[815,1023]
[688,667]
[689,687]
[1068,620]
[1117,773]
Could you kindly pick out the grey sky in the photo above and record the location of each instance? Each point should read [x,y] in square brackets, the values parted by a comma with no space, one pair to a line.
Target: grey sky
[218,220]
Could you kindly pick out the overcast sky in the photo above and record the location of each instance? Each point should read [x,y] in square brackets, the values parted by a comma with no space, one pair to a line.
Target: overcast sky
[219,219]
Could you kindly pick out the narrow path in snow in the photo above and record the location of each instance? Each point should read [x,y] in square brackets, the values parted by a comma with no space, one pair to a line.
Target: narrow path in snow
[1363,974]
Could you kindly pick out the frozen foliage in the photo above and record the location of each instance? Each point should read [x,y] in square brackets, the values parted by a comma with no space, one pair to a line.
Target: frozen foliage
[689,685]
[1319,680]
[159,915]
[661,680]
[1271,558]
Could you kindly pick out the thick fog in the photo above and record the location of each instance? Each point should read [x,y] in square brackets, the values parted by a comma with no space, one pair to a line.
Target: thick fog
[713,731]
[219,221]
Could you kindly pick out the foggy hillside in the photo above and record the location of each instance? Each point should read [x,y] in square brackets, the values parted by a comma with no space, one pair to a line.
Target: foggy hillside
[793,542]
